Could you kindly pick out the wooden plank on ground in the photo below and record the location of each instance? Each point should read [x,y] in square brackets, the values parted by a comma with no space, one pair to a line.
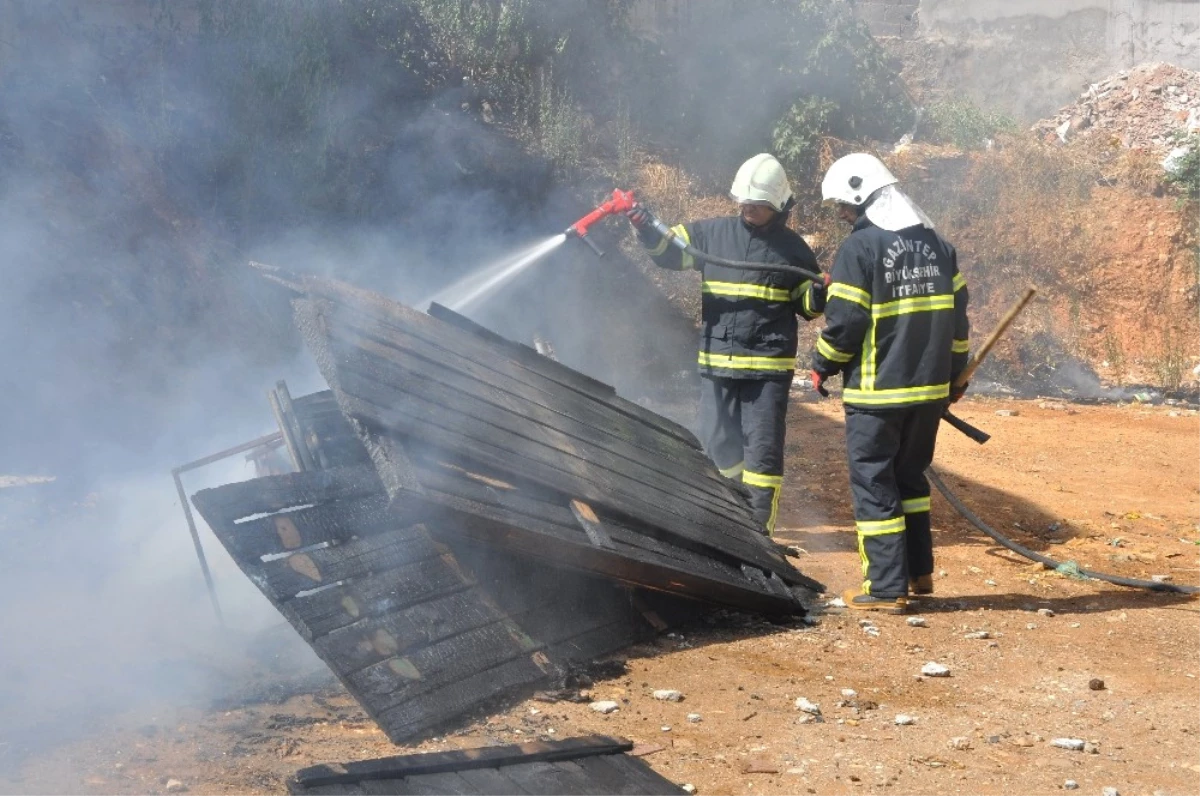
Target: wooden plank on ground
[624,774]
[491,782]
[460,760]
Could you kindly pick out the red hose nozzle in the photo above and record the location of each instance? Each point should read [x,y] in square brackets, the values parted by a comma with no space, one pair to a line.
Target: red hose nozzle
[620,202]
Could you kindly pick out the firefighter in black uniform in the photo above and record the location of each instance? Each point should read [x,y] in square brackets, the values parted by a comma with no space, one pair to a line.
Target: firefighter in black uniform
[748,337]
[896,328]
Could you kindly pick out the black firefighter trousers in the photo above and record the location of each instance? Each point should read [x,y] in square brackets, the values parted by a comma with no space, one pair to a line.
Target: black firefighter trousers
[742,426]
[888,451]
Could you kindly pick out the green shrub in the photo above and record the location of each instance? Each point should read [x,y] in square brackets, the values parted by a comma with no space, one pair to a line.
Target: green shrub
[1186,172]
[796,139]
[963,124]
[560,127]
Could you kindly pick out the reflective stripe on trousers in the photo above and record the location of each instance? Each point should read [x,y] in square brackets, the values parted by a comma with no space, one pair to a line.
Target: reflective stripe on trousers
[888,452]
[742,427]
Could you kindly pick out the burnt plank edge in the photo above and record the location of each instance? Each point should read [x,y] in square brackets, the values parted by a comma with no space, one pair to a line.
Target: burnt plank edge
[463,759]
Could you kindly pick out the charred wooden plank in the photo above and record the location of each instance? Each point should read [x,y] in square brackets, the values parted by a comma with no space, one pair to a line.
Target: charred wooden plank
[399,368]
[543,463]
[564,409]
[375,639]
[534,362]
[461,760]
[623,774]
[329,522]
[374,595]
[236,501]
[284,578]
[591,524]
[401,678]
[491,781]
[483,526]
[449,783]
[518,504]
[431,710]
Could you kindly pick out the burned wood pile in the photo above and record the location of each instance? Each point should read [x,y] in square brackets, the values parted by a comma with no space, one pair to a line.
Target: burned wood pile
[591,764]
[469,517]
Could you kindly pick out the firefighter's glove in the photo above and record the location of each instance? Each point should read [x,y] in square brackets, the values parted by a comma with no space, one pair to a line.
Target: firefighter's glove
[816,296]
[958,392]
[639,216]
[818,384]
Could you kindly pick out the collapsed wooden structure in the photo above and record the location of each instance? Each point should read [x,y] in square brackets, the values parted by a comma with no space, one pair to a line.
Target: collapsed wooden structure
[469,517]
[592,764]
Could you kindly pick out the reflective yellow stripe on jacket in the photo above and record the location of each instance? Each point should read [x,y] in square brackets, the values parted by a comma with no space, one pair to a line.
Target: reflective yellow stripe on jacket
[907,306]
[850,293]
[743,362]
[743,290]
[831,353]
[688,261]
[899,395]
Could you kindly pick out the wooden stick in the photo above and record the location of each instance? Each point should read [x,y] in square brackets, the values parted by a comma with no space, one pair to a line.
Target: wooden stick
[991,340]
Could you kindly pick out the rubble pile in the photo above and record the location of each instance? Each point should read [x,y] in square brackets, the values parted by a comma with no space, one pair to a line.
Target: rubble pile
[1140,108]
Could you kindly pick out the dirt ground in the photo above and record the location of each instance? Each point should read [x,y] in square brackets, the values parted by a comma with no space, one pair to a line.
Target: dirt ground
[1113,488]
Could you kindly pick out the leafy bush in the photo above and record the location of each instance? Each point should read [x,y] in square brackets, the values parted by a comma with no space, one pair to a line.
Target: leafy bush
[963,124]
[796,139]
[1185,174]
[560,127]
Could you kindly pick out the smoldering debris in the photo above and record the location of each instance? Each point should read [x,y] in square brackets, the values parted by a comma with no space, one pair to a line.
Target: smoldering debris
[499,521]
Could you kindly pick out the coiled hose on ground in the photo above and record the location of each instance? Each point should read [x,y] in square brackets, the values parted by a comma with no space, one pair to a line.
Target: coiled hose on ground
[1068,568]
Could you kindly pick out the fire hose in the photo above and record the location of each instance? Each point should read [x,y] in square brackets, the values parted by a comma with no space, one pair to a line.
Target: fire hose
[1069,568]
[1065,568]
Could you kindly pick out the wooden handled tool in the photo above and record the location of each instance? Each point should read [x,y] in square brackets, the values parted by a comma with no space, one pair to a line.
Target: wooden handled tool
[975,361]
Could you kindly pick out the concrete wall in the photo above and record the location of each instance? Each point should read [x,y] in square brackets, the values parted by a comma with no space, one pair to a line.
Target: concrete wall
[1135,31]
[1030,57]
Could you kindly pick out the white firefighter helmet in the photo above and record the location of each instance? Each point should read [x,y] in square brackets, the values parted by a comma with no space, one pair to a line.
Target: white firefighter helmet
[762,181]
[852,179]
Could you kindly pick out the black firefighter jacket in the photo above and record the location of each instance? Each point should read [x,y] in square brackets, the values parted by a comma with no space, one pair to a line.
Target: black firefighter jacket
[895,319]
[748,318]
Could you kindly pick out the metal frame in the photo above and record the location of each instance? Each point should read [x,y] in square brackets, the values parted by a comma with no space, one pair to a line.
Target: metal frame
[270,440]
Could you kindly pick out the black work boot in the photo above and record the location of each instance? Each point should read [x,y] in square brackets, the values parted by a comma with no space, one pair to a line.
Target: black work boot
[866,602]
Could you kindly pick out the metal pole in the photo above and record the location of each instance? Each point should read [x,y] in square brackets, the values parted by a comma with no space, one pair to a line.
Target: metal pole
[261,442]
[191,521]
[288,438]
[289,416]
